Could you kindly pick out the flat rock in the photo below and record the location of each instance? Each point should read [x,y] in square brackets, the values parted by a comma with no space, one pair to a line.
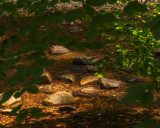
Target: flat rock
[91,68]
[68,108]
[58,50]
[76,69]
[59,98]
[87,92]
[109,83]
[46,88]
[46,77]
[10,101]
[75,30]
[88,79]
[70,77]
[6,111]
[83,60]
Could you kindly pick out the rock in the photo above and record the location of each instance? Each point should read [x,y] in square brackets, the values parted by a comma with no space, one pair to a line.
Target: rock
[133,80]
[74,30]
[58,50]
[46,77]
[88,79]
[91,68]
[6,111]
[109,83]
[10,101]
[70,77]
[59,98]
[88,92]
[85,60]
[46,88]
[76,70]
[68,108]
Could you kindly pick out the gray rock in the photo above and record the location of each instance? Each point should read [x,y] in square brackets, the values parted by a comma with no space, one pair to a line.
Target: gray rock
[70,77]
[75,30]
[10,101]
[88,79]
[58,50]
[82,60]
[46,88]
[87,92]
[76,70]
[109,83]
[46,77]
[91,68]
[59,98]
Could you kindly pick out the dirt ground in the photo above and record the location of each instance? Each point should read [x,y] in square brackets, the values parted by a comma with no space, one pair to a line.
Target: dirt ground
[103,111]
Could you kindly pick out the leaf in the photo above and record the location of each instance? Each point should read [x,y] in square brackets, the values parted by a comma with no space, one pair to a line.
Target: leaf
[37,113]
[32,89]
[65,1]
[22,115]
[2,76]
[146,98]
[52,3]
[74,15]
[91,34]
[95,45]
[44,61]
[134,93]
[14,110]
[107,18]
[56,17]
[89,10]
[96,2]
[134,7]
[146,124]
[7,95]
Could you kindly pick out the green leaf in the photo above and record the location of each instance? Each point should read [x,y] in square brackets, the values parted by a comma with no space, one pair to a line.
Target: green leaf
[89,10]
[56,17]
[96,2]
[53,35]
[74,15]
[35,55]
[146,98]
[32,89]
[146,124]
[22,115]
[52,3]
[9,7]
[134,93]
[65,1]
[107,18]
[95,45]
[37,113]
[2,76]
[7,95]
[134,7]
[44,61]
[91,34]
[78,0]
[14,110]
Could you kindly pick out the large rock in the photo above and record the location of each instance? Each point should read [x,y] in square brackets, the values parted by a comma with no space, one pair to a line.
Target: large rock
[75,70]
[10,101]
[69,77]
[83,60]
[87,92]
[88,79]
[58,50]
[109,83]
[46,77]
[59,98]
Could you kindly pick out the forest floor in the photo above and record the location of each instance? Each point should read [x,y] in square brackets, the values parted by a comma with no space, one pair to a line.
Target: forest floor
[103,111]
